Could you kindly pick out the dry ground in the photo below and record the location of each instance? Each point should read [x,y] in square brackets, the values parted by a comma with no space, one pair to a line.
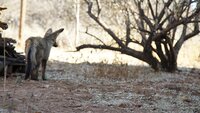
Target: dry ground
[77,87]
[101,88]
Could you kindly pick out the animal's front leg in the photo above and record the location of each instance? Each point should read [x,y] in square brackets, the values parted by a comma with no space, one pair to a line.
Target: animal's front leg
[34,75]
[44,62]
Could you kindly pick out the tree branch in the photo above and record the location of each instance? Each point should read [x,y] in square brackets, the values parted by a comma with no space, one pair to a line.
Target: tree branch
[166,5]
[137,54]
[140,28]
[94,36]
[98,7]
[144,17]
[128,29]
[97,47]
[177,23]
[151,9]
[108,30]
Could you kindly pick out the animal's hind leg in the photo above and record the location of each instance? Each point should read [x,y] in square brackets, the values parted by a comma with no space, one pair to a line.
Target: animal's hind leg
[34,75]
[27,73]
[28,63]
[44,62]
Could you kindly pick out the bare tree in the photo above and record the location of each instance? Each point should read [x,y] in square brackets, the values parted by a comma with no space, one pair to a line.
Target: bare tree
[158,23]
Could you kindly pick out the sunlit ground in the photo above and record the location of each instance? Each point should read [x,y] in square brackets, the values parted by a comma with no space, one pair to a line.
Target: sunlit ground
[189,56]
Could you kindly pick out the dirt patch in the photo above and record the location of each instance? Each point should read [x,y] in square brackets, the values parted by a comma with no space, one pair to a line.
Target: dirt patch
[88,88]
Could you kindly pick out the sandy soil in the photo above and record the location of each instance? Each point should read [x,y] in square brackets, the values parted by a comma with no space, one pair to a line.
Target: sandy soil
[101,88]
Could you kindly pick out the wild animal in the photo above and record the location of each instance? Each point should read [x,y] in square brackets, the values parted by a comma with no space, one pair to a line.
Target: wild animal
[37,50]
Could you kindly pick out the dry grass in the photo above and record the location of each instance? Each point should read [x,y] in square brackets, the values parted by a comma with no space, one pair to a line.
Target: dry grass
[98,88]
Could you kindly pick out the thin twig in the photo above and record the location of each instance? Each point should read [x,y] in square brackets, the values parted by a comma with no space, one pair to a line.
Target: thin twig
[98,7]
[94,36]
[5,67]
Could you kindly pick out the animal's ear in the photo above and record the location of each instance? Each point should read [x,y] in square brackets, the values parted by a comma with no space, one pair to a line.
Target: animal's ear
[56,33]
[49,31]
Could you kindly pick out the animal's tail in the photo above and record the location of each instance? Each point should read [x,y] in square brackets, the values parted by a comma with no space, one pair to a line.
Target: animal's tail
[30,58]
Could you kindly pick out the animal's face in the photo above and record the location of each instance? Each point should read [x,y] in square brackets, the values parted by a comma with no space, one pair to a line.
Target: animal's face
[53,35]
[55,44]
[52,41]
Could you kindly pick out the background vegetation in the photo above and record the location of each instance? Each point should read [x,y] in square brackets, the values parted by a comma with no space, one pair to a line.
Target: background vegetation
[40,15]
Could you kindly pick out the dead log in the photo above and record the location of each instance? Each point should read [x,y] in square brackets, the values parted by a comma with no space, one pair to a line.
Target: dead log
[13,60]
[8,56]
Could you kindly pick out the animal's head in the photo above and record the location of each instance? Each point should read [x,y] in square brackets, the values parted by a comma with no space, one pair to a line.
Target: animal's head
[51,36]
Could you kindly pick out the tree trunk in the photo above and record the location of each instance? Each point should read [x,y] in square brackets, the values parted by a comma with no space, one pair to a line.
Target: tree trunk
[153,62]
